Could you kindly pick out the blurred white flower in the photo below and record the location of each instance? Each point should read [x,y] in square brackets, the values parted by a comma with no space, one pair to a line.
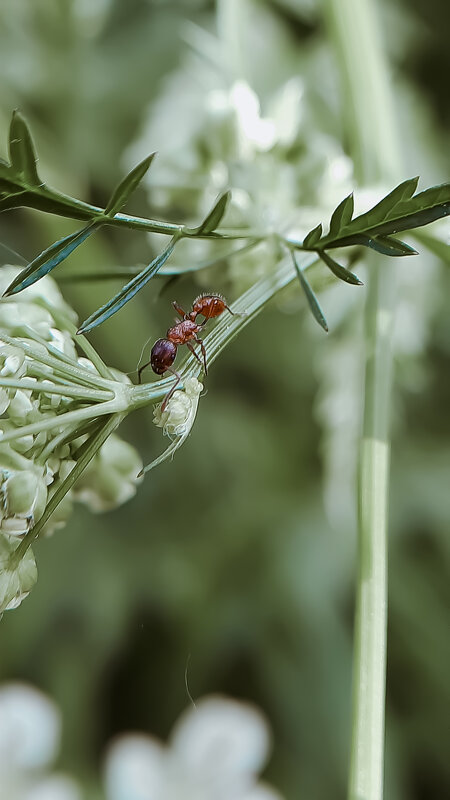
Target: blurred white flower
[30,728]
[215,753]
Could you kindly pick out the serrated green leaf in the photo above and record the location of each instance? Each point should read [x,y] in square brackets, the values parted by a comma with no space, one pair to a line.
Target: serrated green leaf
[388,246]
[310,296]
[49,259]
[127,186]
[312,237]
[400,212]
[216,215]
[388,205]
[21,150]
[339,270]
[128,291]
[342,215]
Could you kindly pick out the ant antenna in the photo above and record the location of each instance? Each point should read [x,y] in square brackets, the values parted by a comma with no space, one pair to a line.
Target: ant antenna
[10,252]
[188,692]
[132,371]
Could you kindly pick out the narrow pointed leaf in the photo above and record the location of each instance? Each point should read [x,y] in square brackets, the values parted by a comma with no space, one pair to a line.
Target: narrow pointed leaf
[339,270]
[310,296]
[342,215]
[49,259]
[386,245]
[21,150]
[128,291]
[312,237]
[216,215]
[397,247]
[126,187]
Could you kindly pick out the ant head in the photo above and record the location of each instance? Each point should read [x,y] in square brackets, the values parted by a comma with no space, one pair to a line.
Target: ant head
[209,305]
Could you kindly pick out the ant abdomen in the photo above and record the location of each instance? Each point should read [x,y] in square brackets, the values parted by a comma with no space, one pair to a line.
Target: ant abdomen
[162,355]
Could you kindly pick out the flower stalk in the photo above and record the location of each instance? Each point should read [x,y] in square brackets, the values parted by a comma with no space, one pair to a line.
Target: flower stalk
[374,148]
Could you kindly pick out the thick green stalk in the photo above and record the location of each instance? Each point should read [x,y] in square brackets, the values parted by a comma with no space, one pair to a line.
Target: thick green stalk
[369,112]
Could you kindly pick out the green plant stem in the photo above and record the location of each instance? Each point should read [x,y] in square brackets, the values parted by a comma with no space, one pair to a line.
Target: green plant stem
[374,148]
[51,388]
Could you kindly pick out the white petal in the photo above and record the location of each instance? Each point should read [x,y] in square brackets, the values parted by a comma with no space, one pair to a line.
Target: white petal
[222,738]
[134,769]
[56,787]
[262,792]
[29,727]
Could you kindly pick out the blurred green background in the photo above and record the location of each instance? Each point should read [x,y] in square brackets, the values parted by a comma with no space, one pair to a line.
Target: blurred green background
[236,560]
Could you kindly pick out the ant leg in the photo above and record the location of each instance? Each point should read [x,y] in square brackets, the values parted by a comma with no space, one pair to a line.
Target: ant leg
[171,391]
[140,370]
[202,347]
[179,310]
[193,351]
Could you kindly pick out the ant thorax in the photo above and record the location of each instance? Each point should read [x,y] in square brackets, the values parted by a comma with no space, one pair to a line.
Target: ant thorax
[183,331]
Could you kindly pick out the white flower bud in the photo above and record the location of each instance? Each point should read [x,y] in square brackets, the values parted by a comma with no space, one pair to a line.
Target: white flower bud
[63,342]
[177,418]
[5,398]
[111,478]
[22,409]
[24,495]
[87,364]
[15,316]
[179,413]
[16,580]
[11,361]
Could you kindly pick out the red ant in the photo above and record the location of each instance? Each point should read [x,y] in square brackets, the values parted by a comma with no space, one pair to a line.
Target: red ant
[184,331]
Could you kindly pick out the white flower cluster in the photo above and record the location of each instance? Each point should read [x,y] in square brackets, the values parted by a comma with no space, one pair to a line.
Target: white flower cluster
[30,728]
[31,464]
[37,349]
[284,177]
[215,752]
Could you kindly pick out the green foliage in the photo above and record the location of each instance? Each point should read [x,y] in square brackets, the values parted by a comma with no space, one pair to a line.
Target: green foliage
[128,291]
[338,270]
[21,152]
[313,302]
[49,259]
[127,186]
[215,216]
[400,210]
[259,595]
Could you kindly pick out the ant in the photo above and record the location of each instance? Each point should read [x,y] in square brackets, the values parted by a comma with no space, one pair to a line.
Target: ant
[184,331]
